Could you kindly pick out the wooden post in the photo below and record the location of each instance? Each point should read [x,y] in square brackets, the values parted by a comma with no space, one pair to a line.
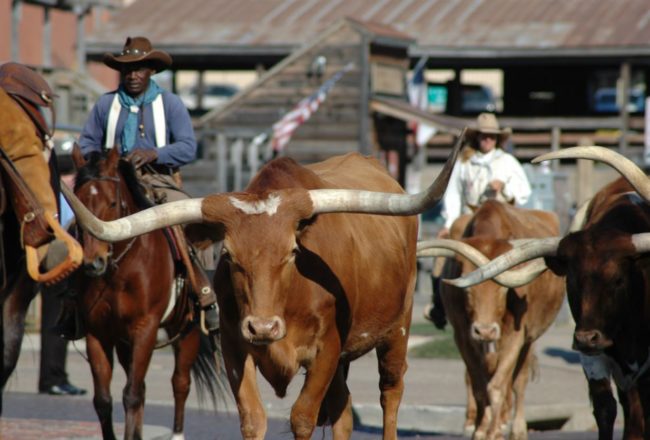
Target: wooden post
[584,182]
[253,155]
[555,146]
[364,97]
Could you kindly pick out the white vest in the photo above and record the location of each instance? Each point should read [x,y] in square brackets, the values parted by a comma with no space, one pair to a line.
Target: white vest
[158,121]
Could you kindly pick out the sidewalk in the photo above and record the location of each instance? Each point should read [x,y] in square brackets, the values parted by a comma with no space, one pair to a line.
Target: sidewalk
[434,396]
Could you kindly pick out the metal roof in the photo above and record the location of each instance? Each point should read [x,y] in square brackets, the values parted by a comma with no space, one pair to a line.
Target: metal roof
[443,28]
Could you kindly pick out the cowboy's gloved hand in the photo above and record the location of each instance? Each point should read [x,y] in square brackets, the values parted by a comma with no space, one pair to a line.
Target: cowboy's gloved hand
[142,156]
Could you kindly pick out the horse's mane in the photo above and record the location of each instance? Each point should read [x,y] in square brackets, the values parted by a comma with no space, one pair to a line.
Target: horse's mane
[91,171]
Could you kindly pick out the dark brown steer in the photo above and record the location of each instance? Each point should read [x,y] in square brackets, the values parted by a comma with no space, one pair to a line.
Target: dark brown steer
[607,269]
[494,326]
[305,284]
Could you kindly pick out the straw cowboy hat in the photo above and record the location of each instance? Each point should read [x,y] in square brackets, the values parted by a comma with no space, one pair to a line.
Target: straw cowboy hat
[138,49]
[487,123]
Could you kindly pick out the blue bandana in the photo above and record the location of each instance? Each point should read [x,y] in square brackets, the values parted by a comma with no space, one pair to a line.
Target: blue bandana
[133,106]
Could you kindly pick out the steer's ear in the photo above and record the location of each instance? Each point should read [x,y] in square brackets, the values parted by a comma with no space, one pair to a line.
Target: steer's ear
[556,264]
[201,235]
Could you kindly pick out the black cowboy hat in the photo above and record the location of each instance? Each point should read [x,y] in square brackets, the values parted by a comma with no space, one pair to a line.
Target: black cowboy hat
[138,49]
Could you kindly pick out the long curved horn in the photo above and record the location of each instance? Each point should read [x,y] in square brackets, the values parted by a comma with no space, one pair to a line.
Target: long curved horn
[526,252]
[623,165]
[509,278]
[372,202]
[580,217]
[641,242]
[159,216]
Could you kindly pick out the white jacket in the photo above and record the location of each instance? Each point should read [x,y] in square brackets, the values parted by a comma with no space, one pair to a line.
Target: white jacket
[470,179]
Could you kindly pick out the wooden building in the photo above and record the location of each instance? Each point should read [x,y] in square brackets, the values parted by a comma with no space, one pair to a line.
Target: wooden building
[373,61]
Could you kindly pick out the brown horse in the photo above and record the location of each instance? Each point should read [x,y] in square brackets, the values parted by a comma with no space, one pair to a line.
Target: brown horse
[16,293]
[125,290]
[17,289]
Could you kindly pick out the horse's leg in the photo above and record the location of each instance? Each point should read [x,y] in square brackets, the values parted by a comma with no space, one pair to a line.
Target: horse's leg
[100,357]
[14,309]
[185,353]
[135,359]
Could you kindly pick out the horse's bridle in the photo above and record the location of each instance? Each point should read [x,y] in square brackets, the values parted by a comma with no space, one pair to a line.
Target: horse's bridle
[122,211]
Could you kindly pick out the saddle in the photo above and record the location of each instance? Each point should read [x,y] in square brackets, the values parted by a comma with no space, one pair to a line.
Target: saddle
[31,92]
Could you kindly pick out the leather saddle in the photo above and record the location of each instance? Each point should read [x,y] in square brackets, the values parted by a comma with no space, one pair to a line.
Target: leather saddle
[31,92]
[37,227]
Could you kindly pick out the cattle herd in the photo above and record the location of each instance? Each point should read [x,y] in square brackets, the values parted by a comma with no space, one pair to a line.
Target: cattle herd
[319,265]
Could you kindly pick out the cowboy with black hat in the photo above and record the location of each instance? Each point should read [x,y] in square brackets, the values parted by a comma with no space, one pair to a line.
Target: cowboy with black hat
[153,130]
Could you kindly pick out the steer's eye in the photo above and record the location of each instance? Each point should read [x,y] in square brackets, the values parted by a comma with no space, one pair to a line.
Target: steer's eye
[225,255]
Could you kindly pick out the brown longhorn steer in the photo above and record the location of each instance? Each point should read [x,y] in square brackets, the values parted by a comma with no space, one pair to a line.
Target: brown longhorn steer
[494,326]
[607,269]
[306,282]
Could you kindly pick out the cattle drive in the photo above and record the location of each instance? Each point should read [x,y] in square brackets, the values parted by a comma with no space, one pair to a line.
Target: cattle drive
[306,281]
[606,268]
[495,327]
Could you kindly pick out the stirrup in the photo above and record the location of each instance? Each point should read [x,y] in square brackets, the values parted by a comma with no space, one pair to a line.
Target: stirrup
[209,326]
[63,269]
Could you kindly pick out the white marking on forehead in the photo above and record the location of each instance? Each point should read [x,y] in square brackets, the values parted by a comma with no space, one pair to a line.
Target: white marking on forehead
[364,335]
[93,190]
[268,206]
[403,330]
[234,374]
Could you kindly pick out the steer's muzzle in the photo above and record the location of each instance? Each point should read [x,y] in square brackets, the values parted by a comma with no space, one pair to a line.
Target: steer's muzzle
[96,267]
[261,331]
[590,341]
[486,332]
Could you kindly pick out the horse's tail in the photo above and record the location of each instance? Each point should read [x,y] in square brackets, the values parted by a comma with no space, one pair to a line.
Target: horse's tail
[208,372]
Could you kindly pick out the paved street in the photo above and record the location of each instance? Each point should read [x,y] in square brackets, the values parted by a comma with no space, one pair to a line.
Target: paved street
[433,401]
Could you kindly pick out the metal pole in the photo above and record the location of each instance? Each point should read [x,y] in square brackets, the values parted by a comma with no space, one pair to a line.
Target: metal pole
[81,38]
[222,163]
[16,10]
[47,38]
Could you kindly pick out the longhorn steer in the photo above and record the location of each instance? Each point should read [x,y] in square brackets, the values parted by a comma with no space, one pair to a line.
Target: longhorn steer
[304,284]
[607,269]
[495,327]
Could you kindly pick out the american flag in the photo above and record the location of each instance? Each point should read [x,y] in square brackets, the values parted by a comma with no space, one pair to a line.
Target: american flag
[284,128]
[418,97]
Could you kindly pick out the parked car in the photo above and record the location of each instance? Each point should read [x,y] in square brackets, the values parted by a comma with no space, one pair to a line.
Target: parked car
[475,98]
[605,101]
[214,95]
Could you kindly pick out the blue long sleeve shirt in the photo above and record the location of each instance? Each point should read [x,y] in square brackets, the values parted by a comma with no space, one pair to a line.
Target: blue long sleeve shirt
[181,143]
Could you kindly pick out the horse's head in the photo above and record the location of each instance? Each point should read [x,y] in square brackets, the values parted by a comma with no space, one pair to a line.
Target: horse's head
[101,187]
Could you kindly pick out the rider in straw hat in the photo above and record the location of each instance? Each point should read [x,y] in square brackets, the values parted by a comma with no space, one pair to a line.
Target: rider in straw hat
[487,172]
[484,172]
[153,130]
